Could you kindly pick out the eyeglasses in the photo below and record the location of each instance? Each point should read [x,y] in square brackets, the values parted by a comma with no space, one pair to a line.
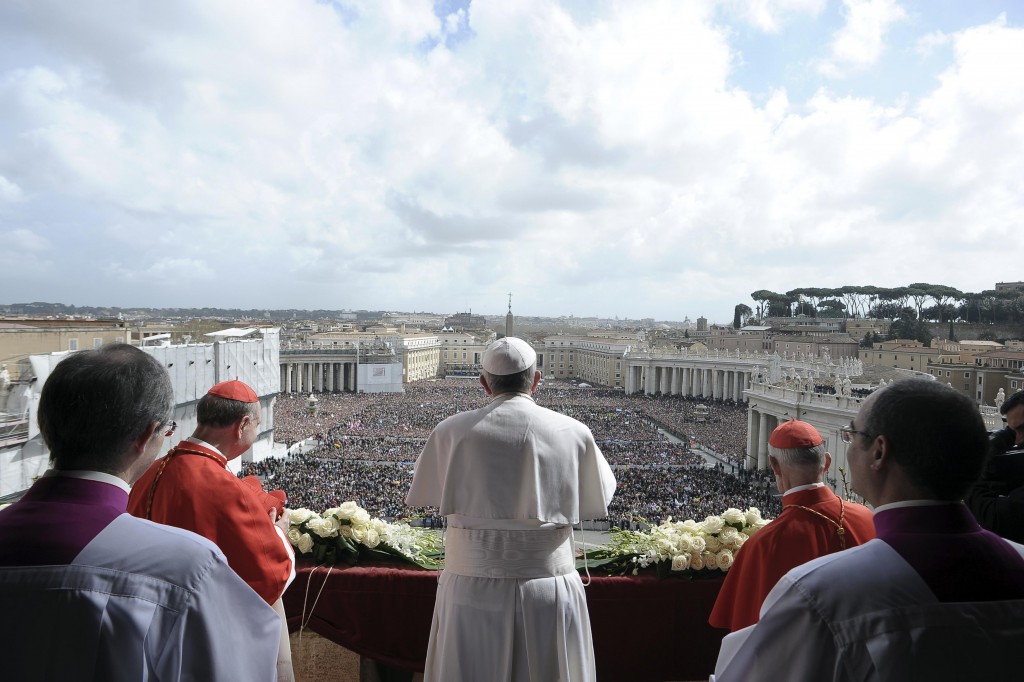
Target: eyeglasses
[170,429]
[848,432]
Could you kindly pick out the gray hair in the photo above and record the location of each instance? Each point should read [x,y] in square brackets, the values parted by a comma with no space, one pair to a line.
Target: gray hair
[213,410]
[96,403]
[520,382]
[812,458]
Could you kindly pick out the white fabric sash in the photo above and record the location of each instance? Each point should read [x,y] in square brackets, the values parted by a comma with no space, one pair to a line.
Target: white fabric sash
[520,554]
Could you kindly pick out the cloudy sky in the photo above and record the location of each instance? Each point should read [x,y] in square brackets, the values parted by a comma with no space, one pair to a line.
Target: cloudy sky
[631,159]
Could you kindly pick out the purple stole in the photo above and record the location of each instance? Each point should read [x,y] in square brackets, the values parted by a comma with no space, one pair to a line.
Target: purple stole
[958,560]
[56,519]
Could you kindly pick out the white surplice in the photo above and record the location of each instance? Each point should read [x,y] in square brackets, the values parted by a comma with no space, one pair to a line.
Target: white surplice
[140,602]
[865,614]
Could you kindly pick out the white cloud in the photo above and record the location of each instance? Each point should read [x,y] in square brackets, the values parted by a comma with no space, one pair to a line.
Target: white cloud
[771,15]
[9,191]
[24,241]
[24,254]
[174,268]
[861,41]
[927,44]
[352,155]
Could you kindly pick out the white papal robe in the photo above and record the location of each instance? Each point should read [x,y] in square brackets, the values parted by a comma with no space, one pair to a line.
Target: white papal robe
[511,478]
[140,602]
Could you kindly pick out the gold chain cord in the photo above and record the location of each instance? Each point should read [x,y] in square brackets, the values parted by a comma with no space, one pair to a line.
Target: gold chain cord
[160,472]
[840,531]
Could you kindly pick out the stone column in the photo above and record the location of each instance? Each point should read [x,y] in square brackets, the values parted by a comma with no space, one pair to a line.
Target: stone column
[649,377]
[762,442]
[706,382]
[330,377]
[753,424]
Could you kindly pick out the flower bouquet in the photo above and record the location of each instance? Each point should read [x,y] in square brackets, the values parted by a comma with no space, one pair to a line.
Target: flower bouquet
[677,547]
[348,533]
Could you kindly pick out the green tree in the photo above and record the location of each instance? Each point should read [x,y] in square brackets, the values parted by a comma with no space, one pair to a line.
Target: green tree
[908,326]
[740,315]
[831,307]
[763,298]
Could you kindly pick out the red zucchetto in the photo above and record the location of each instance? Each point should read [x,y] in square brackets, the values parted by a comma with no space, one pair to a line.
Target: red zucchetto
[235,390]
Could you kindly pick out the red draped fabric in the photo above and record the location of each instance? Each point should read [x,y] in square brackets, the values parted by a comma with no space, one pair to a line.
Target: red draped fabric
[645,629]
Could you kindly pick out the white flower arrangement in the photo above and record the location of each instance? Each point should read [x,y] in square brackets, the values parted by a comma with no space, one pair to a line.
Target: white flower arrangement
[678,546]
[347,533]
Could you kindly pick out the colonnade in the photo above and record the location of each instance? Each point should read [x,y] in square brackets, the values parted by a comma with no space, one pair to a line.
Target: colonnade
[759,427]
[318,377]
[719,381]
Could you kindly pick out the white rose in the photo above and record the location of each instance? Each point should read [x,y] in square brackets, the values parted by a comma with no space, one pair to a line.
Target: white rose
[724,559]
[713,524]
[710,560]
[690,526]
[753,515]
[361,517]
[712,544]
[680,562]
[314,525]
[293,535]
[300,516]
[728,536]
[740,539]
[697,561]
[664,546]
[325,528]
[684,543]
[346,510]
[358,534]
[372,538]
[345,531]
[698,543]
[330,512]
[305,543]
[732,515]
[378,525]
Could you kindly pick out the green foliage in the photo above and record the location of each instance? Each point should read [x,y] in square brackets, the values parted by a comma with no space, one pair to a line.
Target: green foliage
[909,327]
[938,302]
[741,313]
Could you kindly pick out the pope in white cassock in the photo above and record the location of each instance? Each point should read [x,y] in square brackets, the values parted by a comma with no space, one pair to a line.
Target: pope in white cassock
[511,478]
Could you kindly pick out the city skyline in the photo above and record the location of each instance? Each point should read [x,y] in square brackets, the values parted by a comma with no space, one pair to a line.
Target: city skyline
[632,160]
